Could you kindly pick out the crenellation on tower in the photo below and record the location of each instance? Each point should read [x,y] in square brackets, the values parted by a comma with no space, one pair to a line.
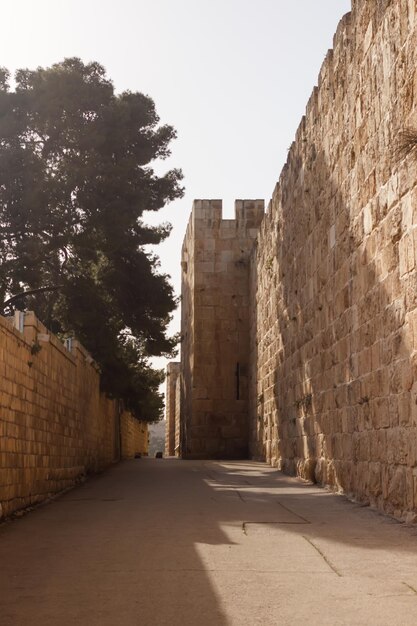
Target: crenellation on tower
[206,214]
[249,214]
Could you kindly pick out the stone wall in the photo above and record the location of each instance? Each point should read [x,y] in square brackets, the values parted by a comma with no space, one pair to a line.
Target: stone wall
[172,374]
[55,426]
[215,329]
[334,285]
[133,436]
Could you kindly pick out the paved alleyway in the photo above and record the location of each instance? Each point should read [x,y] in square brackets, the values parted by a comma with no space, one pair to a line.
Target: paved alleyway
[170,542]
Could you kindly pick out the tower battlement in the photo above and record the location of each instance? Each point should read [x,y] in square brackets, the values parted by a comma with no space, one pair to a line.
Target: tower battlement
[247,212]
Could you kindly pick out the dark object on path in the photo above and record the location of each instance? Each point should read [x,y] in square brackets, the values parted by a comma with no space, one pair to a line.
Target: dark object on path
[158,455]
[138,455]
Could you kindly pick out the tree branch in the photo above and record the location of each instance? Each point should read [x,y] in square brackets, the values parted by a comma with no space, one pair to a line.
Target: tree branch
[30,292]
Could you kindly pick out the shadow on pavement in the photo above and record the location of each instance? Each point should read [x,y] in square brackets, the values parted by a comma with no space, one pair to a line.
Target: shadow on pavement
[176,542]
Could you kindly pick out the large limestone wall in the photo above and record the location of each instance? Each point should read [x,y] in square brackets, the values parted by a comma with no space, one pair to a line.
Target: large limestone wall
[55,426]
[215,329]
[334,285]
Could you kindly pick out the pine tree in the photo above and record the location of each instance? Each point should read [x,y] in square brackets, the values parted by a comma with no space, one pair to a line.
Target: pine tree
[75,180]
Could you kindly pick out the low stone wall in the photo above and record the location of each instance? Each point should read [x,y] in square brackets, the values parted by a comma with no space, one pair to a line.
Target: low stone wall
[55,426]
[133,436]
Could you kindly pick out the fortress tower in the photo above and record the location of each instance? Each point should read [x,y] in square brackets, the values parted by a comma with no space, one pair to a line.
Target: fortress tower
[215,329]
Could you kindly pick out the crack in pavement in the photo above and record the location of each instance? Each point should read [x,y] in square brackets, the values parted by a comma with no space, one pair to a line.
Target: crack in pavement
[324,557]
[240,495]
[410,587]
[273,523]
[293,513]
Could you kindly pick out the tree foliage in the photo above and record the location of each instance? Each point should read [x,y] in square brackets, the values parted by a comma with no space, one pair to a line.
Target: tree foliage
[75,180]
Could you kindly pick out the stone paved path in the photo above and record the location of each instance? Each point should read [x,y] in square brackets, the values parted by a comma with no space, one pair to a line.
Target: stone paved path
[168,542]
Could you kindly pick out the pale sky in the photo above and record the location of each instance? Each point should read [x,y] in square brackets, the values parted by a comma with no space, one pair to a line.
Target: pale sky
[232,76]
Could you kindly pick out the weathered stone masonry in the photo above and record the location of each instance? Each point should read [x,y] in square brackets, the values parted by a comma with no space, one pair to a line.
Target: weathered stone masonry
[333,286]
[334,340]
